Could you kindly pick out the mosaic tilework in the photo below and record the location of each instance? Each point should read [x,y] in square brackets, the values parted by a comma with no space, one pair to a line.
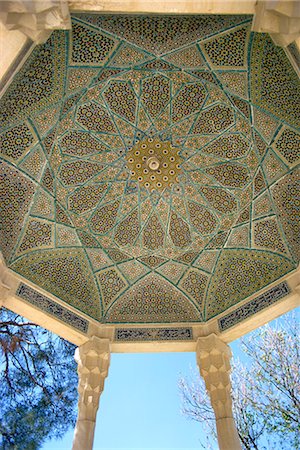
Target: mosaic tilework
[265,124]
[172,271]
[179,231]
[16,192]
[228,50]
[259,144]
[87,239]
[64,273]
[285,194]
[218,118]
[288,145]
[129,56]
[77,143]
[104,218]
[38,234]
[39,82]
[239,237]
[34,163]
[128,229]
[273,167]
[242,105]
[235,82]
[113,95]
[206,260]
[259,183]
[230,175]
[220,199]
[86,198]
[50,307]
[163,34]
[153,334]
[188,57]
[78,172]
[240,273]
[259,303]
[218,107]
[156,94]
[294,53]
[15,142]
[101,121]
[111,285]
[267,235]
[133,270]
[153,261]
[153,234]
[274,80]
[152,295]
[43,205]
[262,206]
[201,218]
[194,284]
[85,53]
[229,147]
[189,99]
[66,237]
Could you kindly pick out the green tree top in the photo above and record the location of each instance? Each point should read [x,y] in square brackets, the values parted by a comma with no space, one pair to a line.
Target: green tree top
[38,382]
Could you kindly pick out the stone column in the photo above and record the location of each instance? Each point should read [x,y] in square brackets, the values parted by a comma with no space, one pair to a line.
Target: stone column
[93,360]
[213,358]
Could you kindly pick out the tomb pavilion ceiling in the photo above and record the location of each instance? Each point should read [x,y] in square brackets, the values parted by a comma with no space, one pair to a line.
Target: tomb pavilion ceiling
[150,167]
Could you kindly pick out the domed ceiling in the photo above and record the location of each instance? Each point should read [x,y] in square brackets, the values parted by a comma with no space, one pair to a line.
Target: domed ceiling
[149,166]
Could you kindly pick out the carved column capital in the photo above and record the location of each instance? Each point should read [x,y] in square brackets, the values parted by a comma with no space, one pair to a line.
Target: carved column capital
[93,360]
[213,357]
[279,18]
[35,18]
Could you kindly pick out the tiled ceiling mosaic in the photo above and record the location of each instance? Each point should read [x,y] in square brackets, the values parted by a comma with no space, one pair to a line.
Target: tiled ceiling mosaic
[149,166]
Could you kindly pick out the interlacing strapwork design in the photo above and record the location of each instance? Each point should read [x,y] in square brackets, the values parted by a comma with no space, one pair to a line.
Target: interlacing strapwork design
[149,166]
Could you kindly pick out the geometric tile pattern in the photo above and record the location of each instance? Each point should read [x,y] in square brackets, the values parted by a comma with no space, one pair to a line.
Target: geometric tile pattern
[149,166]
[254,306]
[50,307]
[143,300]
[241,273]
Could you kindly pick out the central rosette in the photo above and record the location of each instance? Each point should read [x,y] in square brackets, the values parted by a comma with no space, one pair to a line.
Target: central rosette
[155,164]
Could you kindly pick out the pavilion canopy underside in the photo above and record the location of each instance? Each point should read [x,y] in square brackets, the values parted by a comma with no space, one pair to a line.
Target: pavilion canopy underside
[150,167]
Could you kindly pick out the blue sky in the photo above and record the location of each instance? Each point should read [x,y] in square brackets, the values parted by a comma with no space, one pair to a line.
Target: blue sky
[140,405]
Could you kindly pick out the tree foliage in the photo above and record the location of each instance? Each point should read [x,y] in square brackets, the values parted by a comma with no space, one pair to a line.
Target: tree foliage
[38,384]
[265,391]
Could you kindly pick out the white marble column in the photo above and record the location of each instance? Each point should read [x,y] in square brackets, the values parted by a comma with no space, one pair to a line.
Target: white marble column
[93,360]
[213,358]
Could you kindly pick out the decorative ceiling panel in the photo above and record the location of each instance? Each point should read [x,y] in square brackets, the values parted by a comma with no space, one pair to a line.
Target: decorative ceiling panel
[149,166]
